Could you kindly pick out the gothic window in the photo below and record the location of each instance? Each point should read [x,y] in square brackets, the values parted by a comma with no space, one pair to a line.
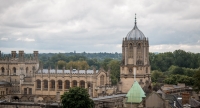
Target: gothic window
[14,70]
[146,69]
[26,69]
[33,68]
[25,91]
[130,50]
[30,91]
[67,84]
[139,51]
[52,84]
[6,91]
[38,84]
[82,84]
[101,80]
[2,70]
[74,83]
[147,51]
[45,84]
[59,84]
[138,46]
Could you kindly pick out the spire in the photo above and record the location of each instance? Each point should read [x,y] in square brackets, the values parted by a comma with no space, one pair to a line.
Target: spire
[135,19]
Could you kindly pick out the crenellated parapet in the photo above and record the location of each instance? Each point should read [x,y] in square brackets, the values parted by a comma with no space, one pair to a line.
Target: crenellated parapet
[19,57]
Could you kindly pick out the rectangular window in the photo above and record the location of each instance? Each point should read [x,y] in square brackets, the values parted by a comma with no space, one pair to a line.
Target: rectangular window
[30,91]
[25,91]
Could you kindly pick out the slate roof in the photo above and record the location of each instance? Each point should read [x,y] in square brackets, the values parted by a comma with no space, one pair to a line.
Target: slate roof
[68,71]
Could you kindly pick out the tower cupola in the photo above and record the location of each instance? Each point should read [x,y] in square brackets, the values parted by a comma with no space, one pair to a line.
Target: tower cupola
[135,33]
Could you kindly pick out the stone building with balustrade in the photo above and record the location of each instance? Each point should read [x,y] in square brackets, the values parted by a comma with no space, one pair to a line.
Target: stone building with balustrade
[26,80]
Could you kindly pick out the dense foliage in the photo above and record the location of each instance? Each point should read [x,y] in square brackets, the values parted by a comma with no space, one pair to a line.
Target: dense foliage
[196,85]
[77,98]
[180,58]
[93,59]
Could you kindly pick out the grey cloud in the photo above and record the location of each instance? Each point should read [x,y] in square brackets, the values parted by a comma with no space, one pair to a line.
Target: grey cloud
[82,25]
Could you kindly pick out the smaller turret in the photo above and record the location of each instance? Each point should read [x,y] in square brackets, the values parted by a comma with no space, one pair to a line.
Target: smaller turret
[35,54]
[21,56]
[13,54]
[94,69]
[63,69]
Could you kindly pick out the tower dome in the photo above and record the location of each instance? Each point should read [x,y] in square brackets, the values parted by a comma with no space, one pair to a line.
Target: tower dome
[135,33]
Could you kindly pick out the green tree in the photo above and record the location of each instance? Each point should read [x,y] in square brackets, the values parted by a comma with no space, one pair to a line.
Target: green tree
[174,79]
[77,65]
[105,63]
[61,64]
[155,75]
[77,98]
[114,71]
[196,85]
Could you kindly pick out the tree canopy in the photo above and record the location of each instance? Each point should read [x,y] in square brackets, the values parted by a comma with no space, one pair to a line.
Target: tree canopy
[77,98]
[196,85]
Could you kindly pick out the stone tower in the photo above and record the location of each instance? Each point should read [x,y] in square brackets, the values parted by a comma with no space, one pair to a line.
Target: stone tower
[135,57]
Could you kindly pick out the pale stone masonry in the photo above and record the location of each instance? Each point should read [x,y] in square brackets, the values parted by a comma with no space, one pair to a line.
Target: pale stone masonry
[26,80]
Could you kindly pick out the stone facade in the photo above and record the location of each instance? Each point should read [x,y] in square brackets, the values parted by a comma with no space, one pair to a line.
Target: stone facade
[30,82]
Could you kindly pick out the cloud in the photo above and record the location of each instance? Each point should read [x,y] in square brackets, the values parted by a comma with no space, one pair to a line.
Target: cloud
[26,39]
[4,39]
[172,47]
[97,26]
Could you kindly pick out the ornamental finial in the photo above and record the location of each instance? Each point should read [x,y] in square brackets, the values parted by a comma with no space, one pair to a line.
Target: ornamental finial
[135,19]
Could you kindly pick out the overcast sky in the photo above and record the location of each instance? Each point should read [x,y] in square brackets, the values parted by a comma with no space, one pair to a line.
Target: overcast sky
[97,25]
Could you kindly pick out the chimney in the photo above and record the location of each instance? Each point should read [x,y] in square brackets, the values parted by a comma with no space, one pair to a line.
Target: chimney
[185,98]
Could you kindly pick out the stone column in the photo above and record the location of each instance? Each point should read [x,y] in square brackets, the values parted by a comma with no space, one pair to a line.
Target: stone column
[56,85]
[86,84]
[41,85]
[34,87]
[78,83]
[70,84]
[63,85]
[49,85]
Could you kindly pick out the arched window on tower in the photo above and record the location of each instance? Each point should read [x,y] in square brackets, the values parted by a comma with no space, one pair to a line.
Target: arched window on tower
[14,70]
[45,85]
[101,80]
[146,69]
[130,50]
[2,70]
[138,46]
[67,84]
[38,84]
[82,83]
[74,83]
[139,51]
[59,84]
[26,70]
